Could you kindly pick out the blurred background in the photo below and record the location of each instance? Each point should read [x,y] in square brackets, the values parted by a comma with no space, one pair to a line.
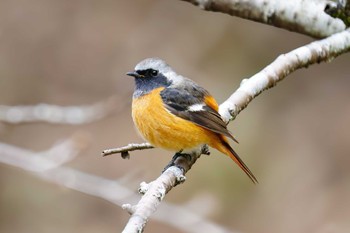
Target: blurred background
[294,137]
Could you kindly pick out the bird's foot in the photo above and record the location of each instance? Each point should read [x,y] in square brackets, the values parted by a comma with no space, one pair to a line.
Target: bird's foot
[176,161]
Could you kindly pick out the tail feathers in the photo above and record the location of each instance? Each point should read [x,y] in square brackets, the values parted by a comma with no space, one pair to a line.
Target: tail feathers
[227,149]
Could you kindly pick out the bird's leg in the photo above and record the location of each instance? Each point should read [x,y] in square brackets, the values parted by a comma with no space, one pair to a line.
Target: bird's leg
[181,161]
[184,161]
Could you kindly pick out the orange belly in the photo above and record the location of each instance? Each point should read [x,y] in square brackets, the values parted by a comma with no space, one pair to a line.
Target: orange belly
[163,129]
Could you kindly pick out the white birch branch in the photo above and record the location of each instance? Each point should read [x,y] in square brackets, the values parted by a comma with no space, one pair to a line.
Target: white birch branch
[303,16]
[155,191]
[319,51]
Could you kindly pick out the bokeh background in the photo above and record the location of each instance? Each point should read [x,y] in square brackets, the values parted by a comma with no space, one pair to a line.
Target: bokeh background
[294,137]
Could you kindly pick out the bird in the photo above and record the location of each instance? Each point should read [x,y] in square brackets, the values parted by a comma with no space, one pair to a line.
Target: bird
[174,113]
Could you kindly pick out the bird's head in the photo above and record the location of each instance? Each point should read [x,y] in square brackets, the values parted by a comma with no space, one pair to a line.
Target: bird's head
[152,73]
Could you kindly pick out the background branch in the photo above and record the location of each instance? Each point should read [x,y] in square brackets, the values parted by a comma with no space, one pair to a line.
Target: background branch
[54,114]
[48,166]
[305,17]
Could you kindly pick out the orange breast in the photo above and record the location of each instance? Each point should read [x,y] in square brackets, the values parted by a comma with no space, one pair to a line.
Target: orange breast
[163,129]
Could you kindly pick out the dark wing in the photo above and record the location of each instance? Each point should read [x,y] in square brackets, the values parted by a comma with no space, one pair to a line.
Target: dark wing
[191,105]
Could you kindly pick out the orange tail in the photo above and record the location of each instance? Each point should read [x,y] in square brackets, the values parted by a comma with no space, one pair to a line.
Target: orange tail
[225,148]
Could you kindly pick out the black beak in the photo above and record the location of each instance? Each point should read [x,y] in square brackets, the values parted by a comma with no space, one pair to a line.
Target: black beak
[133,74]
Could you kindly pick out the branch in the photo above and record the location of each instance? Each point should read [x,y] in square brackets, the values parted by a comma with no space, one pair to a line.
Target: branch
[155,191]
[305,17]
[55,114]
[316,52]
[320,51]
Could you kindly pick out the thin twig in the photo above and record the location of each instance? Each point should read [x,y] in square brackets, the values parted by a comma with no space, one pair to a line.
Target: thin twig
[126,149]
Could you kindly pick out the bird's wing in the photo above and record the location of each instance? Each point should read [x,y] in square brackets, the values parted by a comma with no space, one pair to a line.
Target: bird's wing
[195,105]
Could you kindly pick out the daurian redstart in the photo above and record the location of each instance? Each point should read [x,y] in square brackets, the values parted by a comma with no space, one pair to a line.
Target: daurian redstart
[174,113]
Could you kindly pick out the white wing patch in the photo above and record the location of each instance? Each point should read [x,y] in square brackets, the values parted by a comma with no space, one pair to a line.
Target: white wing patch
[196,107]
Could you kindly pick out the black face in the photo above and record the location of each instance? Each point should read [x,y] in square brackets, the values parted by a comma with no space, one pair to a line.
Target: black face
[147,73]
[148,80]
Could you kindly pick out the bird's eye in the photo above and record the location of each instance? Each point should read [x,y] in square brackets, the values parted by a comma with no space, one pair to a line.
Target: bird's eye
[153,72]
